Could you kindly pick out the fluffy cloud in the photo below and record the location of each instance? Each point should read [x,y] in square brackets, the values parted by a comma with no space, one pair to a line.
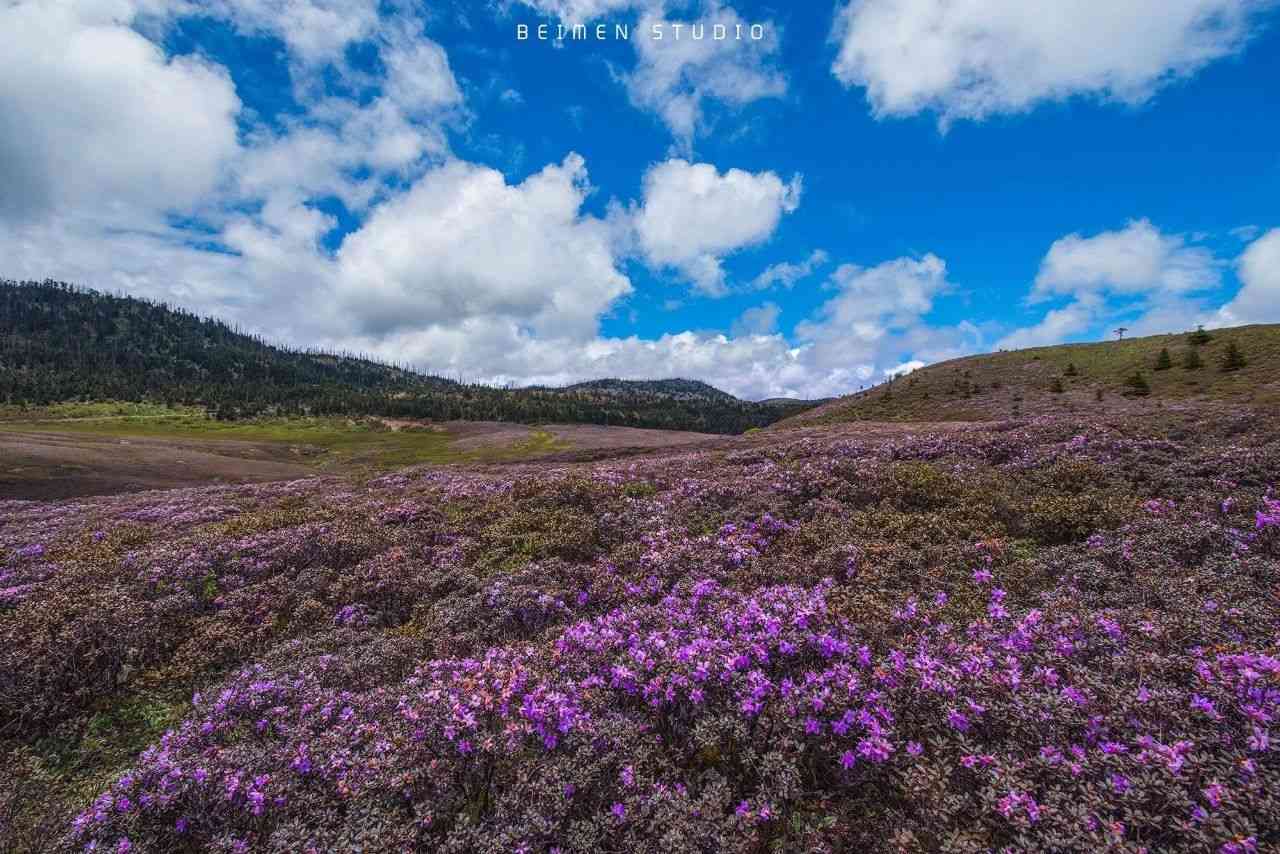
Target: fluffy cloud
[342,148]
[676,77]
[969,60]
[573,12]
[787,274]
[419,79]
[692,216]
[314,31]
[1148,281]
[1136,259]
[904,369]
[760,320]
[348,144]
[1057,325]
[875,317]
[893,294]
[1259,298]
[877,313]
[94,113]
[464,244]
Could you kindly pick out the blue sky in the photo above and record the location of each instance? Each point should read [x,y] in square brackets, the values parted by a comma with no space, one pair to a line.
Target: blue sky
[870,185]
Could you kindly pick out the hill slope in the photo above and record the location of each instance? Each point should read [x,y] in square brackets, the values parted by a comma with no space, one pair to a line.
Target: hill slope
[59,342]
[1072,377]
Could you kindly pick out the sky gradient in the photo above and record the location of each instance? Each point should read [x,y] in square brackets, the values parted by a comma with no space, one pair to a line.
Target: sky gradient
[871,185]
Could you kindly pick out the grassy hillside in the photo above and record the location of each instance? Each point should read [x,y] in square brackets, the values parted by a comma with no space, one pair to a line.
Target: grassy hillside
[1073,378]
[61,343]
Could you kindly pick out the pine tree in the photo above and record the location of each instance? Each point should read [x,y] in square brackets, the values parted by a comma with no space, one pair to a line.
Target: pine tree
[1138,386]
[1056,386]
[1199,337]
[1164,362]
[1193,362]
[1071,370]
[1232,359]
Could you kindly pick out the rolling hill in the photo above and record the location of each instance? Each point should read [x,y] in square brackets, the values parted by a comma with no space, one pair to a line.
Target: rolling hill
[59,342]
[1079,378]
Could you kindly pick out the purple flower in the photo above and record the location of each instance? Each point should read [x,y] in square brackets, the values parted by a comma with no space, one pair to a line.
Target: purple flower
[875,749]
[1204,705]
[619,811]
[1075,696]
[848,760]
[301,760]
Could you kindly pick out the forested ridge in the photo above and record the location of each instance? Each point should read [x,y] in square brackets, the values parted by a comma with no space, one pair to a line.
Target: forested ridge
[61,342]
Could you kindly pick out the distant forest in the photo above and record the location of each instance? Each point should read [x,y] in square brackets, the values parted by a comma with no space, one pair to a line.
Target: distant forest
[60,342]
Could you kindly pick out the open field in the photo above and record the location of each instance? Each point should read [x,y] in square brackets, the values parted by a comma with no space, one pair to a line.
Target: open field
[1051,634]
[99,449]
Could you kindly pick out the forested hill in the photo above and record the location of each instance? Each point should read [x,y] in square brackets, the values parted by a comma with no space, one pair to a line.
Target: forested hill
[59,342]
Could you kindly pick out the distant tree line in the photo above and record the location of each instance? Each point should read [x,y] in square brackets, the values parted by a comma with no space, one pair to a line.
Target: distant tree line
[60,342]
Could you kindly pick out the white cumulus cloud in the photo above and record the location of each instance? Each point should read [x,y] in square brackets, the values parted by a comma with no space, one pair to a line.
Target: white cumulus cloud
[464,244]
[692,216]
[1147,281]
[573,12]
[759,320]
[314,31]
[976,58]
[1258,300]
[94,115]
[787,274]
[677,76]
[1136,259]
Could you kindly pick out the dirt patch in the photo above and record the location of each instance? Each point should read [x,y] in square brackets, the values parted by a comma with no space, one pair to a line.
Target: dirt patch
[50,466]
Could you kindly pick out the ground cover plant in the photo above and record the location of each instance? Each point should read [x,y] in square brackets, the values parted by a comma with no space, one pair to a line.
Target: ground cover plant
[1053,634]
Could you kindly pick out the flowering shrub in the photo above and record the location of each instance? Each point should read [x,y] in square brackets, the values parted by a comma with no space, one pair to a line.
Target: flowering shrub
[1046,636]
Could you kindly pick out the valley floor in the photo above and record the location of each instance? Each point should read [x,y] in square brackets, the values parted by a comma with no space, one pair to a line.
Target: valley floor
[49,459]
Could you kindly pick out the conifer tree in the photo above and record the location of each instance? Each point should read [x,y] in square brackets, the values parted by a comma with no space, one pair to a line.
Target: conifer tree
[1232,359]
[1199,337]
[1138,386]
